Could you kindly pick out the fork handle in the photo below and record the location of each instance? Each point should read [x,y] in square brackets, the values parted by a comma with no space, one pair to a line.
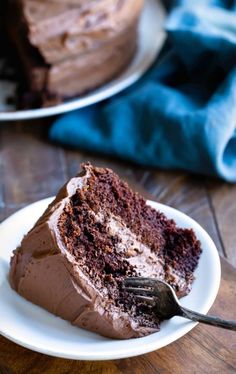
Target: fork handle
[209,320]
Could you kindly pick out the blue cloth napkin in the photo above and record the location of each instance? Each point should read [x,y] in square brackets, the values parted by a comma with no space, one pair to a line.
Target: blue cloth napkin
[182,113]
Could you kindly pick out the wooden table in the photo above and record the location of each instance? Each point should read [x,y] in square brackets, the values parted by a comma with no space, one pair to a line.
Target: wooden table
[32,169]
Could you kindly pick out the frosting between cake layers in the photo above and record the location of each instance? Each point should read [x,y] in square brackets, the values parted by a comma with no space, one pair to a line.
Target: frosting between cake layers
[140,256]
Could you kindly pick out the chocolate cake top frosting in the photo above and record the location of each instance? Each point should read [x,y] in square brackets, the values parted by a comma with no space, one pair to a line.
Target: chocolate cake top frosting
[93,235]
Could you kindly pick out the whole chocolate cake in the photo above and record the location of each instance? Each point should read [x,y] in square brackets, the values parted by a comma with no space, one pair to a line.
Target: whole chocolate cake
[69,47]
[93,235]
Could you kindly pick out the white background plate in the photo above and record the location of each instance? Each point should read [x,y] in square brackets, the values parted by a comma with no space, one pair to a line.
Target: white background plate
[35,328]
[151,37]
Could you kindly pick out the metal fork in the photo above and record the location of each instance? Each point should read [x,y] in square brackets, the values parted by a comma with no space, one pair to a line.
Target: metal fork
[165,302]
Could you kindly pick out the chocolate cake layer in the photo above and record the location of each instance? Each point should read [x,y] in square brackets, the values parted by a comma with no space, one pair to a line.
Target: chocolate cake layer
[34,69]
[94,234]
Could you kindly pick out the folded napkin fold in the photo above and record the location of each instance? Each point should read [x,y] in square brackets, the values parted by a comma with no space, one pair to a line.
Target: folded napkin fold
[182,113]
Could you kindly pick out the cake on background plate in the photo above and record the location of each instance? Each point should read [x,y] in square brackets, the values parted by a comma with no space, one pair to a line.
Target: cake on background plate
[94,234]
[69,47]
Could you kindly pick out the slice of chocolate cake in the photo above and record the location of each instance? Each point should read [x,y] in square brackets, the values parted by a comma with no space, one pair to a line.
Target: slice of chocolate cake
[94,234]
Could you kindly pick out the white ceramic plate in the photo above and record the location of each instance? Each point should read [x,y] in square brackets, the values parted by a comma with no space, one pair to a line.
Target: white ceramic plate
[37,329]
[151,37]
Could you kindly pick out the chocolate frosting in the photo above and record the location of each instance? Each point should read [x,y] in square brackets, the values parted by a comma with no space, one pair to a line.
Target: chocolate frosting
[93,68]
[69,47]
[46,20]
[91,33]
[45,273]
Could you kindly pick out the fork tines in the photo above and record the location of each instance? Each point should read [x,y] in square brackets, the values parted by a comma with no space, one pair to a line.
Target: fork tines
[137,281]
[136,285]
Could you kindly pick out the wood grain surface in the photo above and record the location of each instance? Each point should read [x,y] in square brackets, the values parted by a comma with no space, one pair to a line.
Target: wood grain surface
[31,169]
